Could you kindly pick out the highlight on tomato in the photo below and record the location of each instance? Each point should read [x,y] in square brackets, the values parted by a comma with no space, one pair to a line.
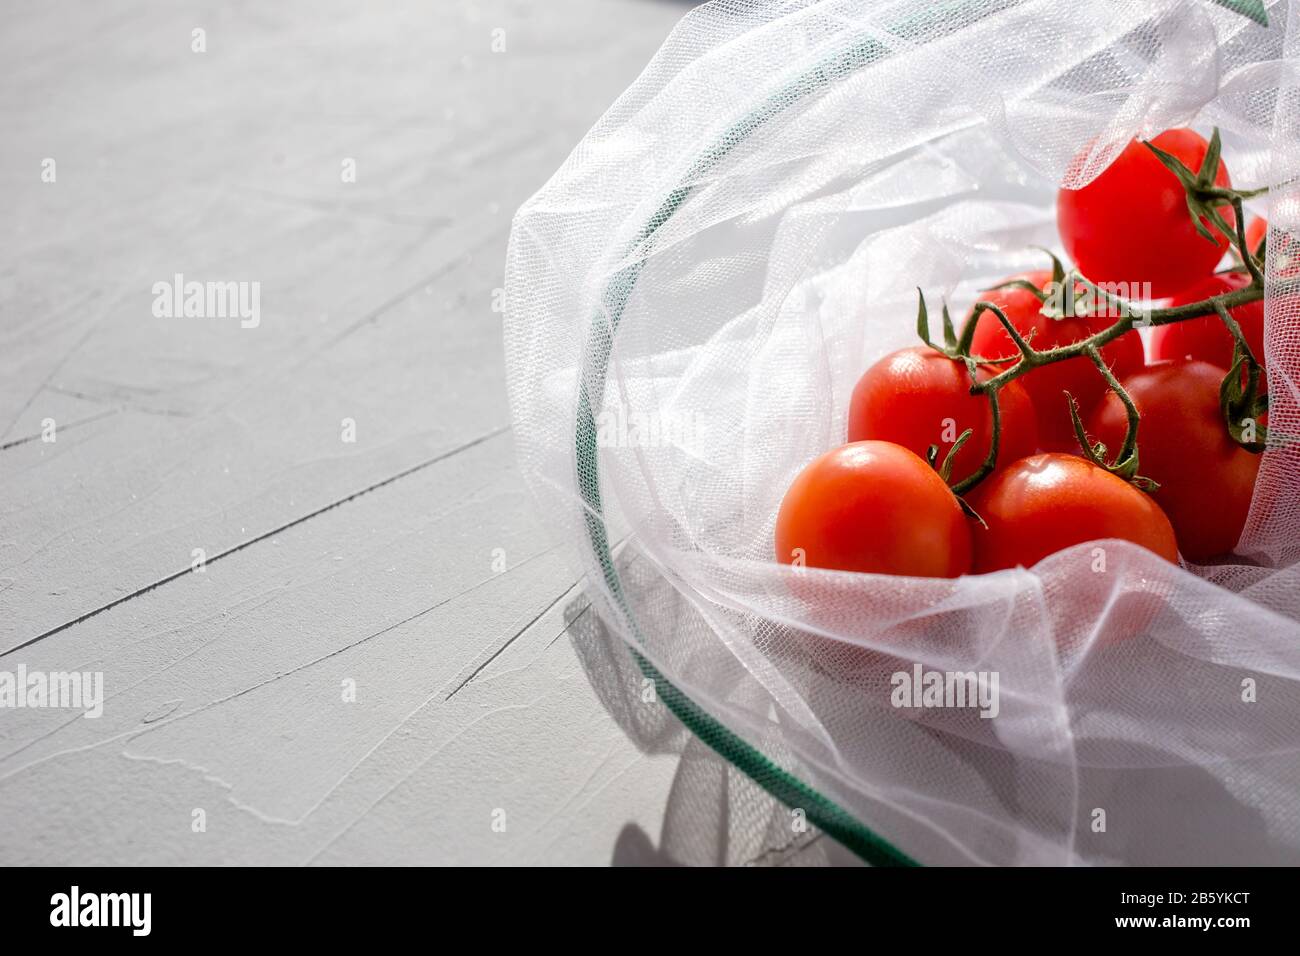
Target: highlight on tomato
[1089,441]
[918,397]
[1206,479]
[876,507]
[1046,503]
[1132,225]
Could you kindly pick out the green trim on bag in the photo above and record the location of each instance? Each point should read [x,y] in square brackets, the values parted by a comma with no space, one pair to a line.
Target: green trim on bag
[781,784]
[821,811]
[1252,9]
[824,813]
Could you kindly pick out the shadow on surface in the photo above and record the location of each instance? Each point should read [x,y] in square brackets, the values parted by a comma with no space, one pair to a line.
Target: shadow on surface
[715,816]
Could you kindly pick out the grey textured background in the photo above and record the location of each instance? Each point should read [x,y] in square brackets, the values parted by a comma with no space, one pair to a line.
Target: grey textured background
[409,561]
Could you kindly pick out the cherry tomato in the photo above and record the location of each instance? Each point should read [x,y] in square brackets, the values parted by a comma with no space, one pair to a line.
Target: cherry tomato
[1131,224]
[917,397]
[1042,504]
[1256,230]
[1206,479]
[1207,339]
[1286,264]
[1046,385]
[873,506]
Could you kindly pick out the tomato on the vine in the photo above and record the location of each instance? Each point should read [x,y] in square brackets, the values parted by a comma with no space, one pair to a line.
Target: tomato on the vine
[1131,224]
[1207,338]
[1046,385]
[873,506]
[1286,263]
[1045,503]
[1206,479]
[918,397]
[1256,230]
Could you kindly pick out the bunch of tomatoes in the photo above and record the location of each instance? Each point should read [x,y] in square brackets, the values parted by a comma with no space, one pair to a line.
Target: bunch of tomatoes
[1047,421]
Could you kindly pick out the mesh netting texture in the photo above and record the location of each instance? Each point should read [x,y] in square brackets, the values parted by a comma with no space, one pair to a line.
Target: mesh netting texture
[689,302]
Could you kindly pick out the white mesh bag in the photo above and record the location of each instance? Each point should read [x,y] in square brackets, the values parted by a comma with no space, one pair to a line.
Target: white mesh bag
[689,302]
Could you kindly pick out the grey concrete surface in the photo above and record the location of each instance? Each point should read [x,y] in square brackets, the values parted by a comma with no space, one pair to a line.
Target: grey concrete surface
[296,545]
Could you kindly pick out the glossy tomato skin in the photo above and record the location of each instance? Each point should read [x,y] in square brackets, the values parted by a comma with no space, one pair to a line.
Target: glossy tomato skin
[873,506]
[1046,386]
[1206,479]
[1256,230]
[1206,338]
[1045,503]
[1131,223]
[917,397]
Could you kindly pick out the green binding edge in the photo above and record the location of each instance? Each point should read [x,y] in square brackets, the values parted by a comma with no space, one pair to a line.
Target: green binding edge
[784,786]
[1251,9]
[821,811]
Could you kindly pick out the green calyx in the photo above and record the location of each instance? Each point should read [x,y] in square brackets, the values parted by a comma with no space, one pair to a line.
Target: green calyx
[1241,399]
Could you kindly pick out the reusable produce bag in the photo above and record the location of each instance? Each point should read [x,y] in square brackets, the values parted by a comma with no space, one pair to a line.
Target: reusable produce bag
[689,302]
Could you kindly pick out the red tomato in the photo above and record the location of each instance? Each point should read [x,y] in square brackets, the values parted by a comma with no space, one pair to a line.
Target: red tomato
[917,397]
[1131,224]
[1046,385]
[1045,503]
[1286,264]
[873,506]
[1207,338]
[1256,229]
[1206,479]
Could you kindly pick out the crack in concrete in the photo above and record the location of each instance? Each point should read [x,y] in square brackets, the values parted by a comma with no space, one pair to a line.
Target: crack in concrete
[261,537]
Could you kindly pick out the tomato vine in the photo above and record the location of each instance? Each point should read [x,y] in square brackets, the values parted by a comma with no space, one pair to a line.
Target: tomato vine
[1242,401]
